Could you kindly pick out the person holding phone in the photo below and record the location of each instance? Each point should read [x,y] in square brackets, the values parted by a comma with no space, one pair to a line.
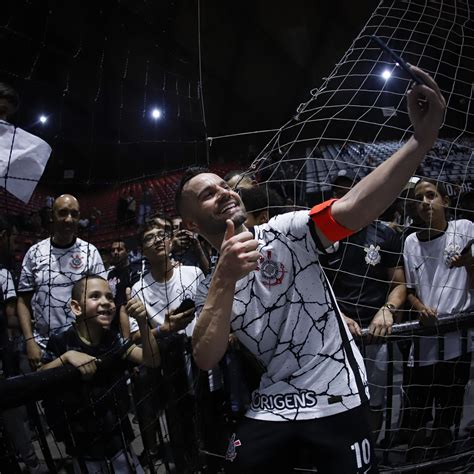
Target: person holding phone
[186,248]
[167,292]
[164,288]
[269,289]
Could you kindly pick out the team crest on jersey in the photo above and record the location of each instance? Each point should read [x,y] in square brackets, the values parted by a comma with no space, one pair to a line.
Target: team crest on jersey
[372,256]
[451,251]
[271,270]
[76,261]
[231,452]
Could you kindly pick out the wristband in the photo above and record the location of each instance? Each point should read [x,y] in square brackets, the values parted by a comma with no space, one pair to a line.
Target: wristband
[391,307]
[322,218]
[159,334]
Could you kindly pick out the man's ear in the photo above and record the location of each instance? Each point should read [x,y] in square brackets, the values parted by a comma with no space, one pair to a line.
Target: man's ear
[446,201]
[262,217]
[76,308]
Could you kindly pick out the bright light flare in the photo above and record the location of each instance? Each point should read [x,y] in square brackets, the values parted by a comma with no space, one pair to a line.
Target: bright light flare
[386,74]
[43,119]
[156,114]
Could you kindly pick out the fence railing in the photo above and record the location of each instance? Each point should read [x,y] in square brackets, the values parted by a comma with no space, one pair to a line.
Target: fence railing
[195,410]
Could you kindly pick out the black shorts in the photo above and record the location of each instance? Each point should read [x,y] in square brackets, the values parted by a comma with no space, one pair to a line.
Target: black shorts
[336,444]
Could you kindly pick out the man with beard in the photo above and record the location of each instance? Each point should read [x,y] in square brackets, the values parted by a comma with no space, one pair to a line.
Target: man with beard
[269,289]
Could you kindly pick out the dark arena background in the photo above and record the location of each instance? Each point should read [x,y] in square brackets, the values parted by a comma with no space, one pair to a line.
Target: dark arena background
[128,95]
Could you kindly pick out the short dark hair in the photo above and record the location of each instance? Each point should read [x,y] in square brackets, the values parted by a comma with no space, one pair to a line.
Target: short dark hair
[259,198]
[440,187]
[241,174]
[231,174]
[189,174]
[153,223]
[119,241]
[80,286]
[11,97]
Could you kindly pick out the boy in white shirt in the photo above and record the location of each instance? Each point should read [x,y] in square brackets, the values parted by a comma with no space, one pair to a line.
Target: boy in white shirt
[439,269]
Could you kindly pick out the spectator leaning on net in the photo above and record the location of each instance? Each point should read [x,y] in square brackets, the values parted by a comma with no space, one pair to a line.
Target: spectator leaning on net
[166,285]
[314,390]
[50,269]
[439,269]
[121,276]
[90,415]
[365,271]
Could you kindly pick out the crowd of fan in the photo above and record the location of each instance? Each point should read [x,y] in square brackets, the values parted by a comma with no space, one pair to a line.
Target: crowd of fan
[172,262]
[134,321]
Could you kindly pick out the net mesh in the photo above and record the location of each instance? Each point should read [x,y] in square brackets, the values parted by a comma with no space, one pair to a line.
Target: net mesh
[300,162]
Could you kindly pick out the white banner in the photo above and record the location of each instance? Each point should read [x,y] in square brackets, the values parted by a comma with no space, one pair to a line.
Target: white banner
[23,158]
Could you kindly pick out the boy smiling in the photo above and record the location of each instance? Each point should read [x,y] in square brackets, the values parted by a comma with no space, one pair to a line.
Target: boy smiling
[95,408]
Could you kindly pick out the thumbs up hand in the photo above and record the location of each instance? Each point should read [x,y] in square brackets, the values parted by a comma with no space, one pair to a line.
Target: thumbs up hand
[238,254]
[134,307]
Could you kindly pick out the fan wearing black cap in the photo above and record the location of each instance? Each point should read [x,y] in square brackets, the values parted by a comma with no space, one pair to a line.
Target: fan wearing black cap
[366,273]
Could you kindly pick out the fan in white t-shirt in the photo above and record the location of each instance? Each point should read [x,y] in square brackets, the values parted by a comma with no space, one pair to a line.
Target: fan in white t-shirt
[166,285]
[162,290]
[50,269]
[439,269]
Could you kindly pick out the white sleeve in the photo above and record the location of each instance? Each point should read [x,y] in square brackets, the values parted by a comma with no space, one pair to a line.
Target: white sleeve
[8,287]
[27,277]
[298,228]
[291,223]
[96,265]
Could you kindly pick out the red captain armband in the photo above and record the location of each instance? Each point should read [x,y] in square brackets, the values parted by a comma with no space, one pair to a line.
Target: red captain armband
[322,218]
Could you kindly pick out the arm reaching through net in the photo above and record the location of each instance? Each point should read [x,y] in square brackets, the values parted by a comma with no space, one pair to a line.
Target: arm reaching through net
[373,194]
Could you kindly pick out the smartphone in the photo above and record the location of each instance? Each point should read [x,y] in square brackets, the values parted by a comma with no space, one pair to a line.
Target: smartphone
[186,304]
[400,62]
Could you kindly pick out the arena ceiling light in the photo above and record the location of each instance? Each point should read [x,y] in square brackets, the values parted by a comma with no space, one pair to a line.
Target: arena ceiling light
[43,119]
[156,114]
[386,74]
